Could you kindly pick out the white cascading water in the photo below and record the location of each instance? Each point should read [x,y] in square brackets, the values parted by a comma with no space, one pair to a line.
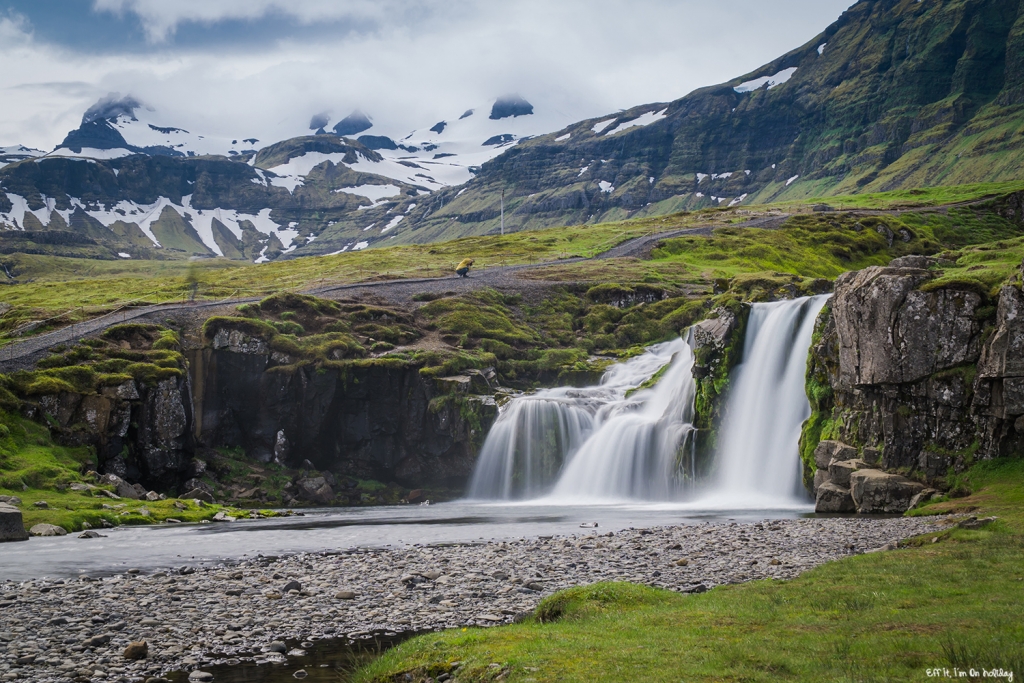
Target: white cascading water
[758,460]
[596,441]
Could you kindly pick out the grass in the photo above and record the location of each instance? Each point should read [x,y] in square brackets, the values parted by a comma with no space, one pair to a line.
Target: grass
[877,617]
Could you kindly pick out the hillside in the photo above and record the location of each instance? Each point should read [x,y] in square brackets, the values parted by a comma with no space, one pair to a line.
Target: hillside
[895,94]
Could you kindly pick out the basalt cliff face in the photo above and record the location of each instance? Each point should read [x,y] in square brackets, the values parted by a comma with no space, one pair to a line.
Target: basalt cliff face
[911,379]
[365,421]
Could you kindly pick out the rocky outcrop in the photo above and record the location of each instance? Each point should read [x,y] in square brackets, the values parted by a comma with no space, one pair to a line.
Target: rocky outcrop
[909,380]
[364,420]
[140,431]
[11,526]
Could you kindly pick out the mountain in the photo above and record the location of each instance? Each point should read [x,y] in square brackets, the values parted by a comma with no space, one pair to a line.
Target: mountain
[124,178]
[894,94]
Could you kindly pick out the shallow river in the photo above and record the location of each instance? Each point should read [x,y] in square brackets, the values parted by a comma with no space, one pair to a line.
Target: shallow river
[163,546]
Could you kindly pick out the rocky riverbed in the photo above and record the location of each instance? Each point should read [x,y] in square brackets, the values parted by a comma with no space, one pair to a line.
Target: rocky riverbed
[80,629]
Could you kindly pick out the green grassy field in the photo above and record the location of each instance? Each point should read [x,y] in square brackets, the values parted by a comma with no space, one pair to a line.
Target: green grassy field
[890,616]
[65,290]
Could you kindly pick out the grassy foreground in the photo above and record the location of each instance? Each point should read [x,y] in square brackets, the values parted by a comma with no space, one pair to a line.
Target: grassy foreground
[952,603]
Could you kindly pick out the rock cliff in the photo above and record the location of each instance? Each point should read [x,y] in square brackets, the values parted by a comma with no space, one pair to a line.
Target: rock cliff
[911,378]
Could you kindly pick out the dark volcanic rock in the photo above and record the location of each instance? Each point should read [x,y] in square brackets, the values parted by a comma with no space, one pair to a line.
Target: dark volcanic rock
[354,123]
[510,106]
[11,526]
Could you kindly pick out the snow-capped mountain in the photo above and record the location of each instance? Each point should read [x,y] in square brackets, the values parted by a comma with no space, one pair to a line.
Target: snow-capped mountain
[9,155]
[447,153]
[119,126]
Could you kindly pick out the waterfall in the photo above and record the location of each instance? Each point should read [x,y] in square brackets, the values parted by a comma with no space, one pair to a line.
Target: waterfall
[758,457]
[594,441]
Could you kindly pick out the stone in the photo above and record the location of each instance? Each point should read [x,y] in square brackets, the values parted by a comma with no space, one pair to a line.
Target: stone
[416,496]
[10,500]
[839,471]
[91,534]
[137,650]
[47,530]
[200,676]
[122,488]
[1003,355]
[12,527]
[827,451]
[97,641]
[41,504]
[877,492]
[277,646]
[315,490]
[223,517]
[914,261]
[198,494]
[834,498]
[681,562]
[292,586]
[820,477]
[345,595]
[433,574]
[152,496]
[922,498]
[975,523]
[891,332]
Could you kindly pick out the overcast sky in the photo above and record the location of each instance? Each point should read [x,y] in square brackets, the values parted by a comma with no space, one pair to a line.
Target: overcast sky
[262,68]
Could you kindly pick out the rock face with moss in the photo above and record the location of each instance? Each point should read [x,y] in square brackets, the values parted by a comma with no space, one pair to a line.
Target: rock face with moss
[126,395]
[364,420]
[911,377]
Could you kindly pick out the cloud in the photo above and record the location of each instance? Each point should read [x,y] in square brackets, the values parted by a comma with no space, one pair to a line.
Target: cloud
[161,18]
[407,64]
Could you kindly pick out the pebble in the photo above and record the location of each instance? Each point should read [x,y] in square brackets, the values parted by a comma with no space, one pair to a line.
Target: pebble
[191,617]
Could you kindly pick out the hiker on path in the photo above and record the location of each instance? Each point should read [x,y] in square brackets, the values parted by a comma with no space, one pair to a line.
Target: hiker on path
[462,270]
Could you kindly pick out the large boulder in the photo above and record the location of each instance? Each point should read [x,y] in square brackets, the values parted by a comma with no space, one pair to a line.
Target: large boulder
[832,498]
[47,530]
[839,471]
[878,492]
[121,487]
[12,528]
[315,490]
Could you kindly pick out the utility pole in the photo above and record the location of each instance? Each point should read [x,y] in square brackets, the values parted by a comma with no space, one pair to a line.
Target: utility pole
[503,212]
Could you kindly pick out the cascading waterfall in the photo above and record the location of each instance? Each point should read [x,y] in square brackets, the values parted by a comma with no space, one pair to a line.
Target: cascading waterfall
[758,458]
[595,441]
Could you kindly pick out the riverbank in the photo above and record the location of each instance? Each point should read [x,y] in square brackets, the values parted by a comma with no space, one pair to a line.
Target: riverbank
[78,629]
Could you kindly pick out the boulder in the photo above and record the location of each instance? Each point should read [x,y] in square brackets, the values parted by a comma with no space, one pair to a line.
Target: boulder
[198,494]
[839,471]
[11,526]
[827,451]
[820,477]
[877,492]
[10,500]
[832,498]
[47,530]
[137,650]
[315,490]
[122,488]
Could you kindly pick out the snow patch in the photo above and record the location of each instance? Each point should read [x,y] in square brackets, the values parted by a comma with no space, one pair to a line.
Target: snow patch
[583,170]
[791,180]
[563,138]
[821,48]
[392,224]
[606,186]
[91,153]
[642,120]
[601,125]
[374,193]
[123,254]
[738,200]
[360,245]
[771,81]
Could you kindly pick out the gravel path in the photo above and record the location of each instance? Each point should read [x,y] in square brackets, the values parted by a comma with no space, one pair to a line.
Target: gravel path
[191,618]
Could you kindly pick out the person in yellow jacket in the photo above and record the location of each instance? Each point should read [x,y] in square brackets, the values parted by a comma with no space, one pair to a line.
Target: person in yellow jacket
[462,270]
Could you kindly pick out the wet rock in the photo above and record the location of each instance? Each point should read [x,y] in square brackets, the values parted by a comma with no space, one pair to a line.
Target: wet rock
[47,530]
[875,491]
[91,534]
[315,490]
[200,677]
[198,494]
[277,646]
[12,528]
